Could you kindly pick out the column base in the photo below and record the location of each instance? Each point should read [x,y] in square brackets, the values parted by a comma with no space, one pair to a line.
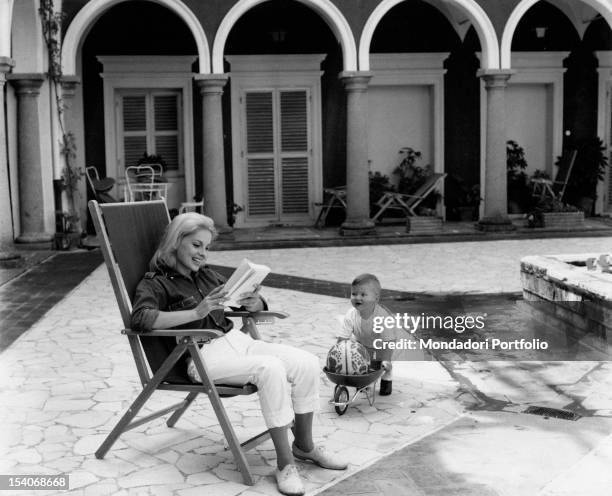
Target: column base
[498,223]
[34,237]
[357,228]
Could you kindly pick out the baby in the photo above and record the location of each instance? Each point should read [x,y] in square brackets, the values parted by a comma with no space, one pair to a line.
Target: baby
[358,324]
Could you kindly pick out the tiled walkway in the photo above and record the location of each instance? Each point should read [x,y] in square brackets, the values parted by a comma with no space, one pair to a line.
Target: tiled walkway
[65,380]
[27,297]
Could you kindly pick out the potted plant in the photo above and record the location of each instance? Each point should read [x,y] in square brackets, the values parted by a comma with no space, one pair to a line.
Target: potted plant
[379,185]
[589,169]
[519,194]
[552,213]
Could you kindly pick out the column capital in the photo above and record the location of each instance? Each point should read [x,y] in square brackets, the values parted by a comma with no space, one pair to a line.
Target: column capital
[211,84]
[355,80]
[27,83]
[69,85]
[6,64]
[495,78]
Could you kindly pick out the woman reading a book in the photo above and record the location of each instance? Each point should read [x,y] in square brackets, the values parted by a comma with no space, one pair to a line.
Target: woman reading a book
[182,292]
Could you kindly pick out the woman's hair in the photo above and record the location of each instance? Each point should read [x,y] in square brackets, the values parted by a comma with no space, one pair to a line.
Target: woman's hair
[182,225]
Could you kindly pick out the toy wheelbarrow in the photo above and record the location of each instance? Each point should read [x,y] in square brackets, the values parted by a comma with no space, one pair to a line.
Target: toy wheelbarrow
[341,400]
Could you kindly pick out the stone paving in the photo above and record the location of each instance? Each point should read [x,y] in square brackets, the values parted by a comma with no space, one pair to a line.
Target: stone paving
[64,382]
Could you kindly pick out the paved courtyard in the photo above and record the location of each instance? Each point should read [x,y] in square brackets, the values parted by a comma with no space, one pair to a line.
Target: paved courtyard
[448,428]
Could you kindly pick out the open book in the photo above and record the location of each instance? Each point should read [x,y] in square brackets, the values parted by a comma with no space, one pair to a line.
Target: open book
[245,279]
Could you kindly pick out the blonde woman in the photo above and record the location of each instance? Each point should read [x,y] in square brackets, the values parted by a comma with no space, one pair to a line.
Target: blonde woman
[181,291]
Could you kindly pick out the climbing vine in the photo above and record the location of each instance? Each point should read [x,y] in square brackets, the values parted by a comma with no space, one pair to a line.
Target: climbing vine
[51,21]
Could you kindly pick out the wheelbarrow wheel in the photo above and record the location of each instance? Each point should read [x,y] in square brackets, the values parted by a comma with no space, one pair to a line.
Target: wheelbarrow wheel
[341,395]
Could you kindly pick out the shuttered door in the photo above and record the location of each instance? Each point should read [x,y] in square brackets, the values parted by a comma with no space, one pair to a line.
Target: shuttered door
[166,129]
[150,124]
[294,152]
[261,175]
[134,113]
[277,154]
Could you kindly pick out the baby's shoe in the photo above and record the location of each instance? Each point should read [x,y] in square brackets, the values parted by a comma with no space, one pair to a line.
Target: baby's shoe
[321,457]
[289,482]
[386,387]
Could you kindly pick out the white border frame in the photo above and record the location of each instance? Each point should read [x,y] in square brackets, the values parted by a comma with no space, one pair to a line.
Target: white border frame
[159,72]
[254,72]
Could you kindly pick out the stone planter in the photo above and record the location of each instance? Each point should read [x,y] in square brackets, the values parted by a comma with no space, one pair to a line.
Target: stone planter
[423,225]
[563,220]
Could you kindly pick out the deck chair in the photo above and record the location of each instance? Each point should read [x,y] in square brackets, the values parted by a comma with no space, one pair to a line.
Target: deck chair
[405,202]
[542,187]
[334,198]
[129,234]
[100,188]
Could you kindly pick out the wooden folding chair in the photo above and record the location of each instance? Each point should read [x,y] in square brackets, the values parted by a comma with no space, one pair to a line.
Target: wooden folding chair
[335,198]
[129,234]
[405,202]
[542,187]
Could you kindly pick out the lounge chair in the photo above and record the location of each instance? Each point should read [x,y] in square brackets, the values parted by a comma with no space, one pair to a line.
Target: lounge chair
[405,202]
[129,234]
[542,187]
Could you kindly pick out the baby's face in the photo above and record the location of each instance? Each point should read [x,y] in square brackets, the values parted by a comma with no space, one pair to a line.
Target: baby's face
[364,298]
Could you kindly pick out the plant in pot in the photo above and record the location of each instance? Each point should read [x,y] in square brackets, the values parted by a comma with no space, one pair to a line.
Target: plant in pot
[551,212]
[155,161]
[589,169]
[519,194]
[468,201]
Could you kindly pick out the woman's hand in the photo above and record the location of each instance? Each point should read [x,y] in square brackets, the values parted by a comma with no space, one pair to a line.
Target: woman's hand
[213,301]
[251,301]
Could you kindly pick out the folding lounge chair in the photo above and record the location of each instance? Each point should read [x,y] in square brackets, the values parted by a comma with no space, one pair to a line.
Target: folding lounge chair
[556,189]
[129,234]
[405,202]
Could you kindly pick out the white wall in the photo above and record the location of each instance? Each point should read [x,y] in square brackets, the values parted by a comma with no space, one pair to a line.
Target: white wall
[529,117]
[399,116]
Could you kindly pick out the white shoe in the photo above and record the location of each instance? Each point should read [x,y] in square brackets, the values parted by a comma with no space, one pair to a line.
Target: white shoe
[321,457]
[289,482]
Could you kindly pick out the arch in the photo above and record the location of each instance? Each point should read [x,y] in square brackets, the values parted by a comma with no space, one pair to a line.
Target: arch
[478,17]
[95,8]
[336,21]
[601,6]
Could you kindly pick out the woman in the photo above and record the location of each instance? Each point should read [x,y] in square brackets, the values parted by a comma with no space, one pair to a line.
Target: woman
[182,292]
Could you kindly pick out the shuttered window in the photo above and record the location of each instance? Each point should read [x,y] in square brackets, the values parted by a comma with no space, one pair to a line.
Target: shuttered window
[277,158]
[150,123]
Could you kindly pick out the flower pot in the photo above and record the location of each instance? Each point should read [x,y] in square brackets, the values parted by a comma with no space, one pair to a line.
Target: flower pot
[563,220]
[423,225]
[586,205]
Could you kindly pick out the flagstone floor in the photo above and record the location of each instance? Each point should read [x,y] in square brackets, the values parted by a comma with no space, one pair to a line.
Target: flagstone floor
[64,382]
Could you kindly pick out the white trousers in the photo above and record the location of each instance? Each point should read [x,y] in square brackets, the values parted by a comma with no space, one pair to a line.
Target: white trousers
[287,378]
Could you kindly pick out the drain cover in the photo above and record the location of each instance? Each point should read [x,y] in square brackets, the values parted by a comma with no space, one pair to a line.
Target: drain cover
[552,412]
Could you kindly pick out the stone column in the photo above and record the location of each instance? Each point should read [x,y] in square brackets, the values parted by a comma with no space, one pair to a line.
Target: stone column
[215,204]
[71,124]
[496,187]
[357,182]
[31,183]
[6,218]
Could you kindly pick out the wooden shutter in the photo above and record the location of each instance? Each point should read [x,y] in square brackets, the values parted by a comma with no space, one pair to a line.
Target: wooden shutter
[166,129]
[134,113]
[295,156]
[261,188]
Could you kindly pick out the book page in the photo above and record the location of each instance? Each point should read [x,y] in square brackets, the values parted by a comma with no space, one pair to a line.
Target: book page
[245,279]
